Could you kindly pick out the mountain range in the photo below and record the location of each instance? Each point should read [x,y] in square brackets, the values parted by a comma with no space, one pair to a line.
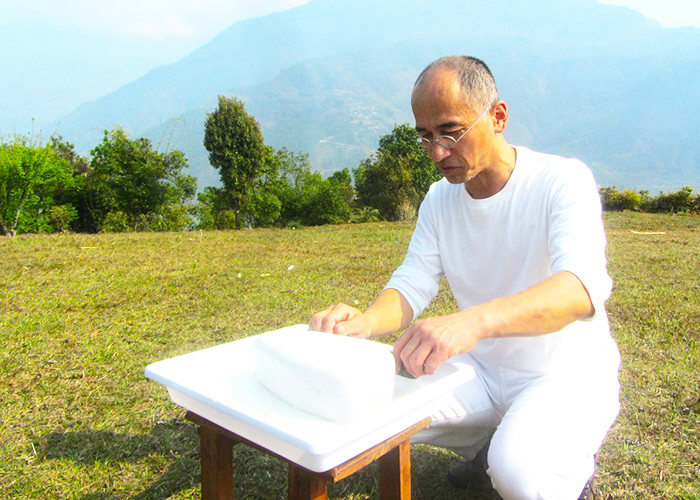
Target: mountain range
[329,78]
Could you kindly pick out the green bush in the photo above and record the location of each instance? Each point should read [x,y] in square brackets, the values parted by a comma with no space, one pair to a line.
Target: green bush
[681,201]
[116,222]
[364,214]
[671,203]
[617,201]
[33,179]
[60,217]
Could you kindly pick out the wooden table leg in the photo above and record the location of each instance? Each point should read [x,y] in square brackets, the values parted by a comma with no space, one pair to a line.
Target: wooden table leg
[394,455]
[216,452]
[395,473]
[306,485]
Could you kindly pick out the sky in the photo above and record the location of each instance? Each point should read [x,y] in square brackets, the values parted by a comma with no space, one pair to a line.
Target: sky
[58,54]
[150,20]
[669,13]
[81,50]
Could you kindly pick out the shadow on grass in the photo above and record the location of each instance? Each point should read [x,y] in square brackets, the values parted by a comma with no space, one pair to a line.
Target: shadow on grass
[429,467]
[257,476]
[175,439]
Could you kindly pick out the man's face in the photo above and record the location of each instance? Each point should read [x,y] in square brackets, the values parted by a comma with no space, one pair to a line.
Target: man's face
[440,109]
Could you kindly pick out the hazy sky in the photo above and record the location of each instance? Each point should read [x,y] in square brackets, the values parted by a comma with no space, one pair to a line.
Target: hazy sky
[669,13]
[149,20]
[83,49]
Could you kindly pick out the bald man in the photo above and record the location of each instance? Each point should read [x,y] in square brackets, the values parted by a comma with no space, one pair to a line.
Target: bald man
[519,237]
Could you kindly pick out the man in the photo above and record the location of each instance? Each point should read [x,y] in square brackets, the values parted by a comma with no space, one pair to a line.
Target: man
[520,239]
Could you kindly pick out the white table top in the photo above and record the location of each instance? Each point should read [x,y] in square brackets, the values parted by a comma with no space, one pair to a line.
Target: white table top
[219,384]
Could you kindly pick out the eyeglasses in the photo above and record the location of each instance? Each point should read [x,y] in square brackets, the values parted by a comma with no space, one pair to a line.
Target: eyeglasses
[447,141]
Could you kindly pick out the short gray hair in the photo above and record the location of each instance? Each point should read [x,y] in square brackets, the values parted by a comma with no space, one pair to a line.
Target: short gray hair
[476,79]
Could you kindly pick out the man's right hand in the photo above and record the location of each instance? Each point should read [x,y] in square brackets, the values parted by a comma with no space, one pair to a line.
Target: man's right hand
[341,319]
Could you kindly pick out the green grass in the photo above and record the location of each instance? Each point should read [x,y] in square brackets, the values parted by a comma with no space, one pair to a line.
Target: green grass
[654,450]
[82,315]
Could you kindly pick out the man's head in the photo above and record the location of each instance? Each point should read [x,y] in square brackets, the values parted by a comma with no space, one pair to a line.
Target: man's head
[475,78]
[461,121]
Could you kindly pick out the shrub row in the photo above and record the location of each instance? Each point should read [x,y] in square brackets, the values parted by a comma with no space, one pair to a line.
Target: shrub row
[682,201]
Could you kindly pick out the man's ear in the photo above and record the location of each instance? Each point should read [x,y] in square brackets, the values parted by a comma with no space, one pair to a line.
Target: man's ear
[500,116]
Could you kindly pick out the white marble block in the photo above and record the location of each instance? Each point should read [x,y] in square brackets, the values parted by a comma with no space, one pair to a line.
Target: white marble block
[334,377]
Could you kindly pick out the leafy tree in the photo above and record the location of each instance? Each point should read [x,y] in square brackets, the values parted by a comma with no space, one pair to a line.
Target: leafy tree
[294,172]
[70,203]
[395,179]
[236,148]
[31,178]
[208,209]
[213,210]
[342,180]
[308,199]
[80,165]
[176,213]
[261,209]
[288,193]
[130,185]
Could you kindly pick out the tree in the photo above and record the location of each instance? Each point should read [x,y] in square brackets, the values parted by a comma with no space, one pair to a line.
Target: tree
[261,209]
[236,148]
[308,199]
[211,212]
[395,179]
[263,206]
[70,203]
[130,186]
[288,193]
[31,177]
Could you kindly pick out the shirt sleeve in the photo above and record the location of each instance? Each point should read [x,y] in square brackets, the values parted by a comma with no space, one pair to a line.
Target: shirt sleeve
[418,277]
[576,233]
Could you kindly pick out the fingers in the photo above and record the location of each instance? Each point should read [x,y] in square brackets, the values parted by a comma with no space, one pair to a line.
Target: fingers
[418,351]
[354,327]
[399,346]
[316,323]
[433,362]
[340,319]
[411,352]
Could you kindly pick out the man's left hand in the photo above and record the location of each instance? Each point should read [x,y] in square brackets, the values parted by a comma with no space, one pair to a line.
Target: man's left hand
[428,343]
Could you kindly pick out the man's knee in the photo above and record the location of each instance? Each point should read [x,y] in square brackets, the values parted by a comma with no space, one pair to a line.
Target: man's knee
[513,475]
[523,475]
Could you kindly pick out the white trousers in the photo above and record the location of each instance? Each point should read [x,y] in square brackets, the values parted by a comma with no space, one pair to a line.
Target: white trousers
[545,429]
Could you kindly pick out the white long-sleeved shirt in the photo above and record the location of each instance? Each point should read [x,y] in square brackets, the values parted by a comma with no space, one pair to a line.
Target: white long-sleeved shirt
[545,220]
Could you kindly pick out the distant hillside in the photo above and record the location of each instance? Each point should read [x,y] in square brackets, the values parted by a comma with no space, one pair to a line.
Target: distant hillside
[594,81]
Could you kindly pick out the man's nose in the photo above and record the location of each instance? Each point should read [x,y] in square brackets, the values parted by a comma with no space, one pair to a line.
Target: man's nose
[439,152]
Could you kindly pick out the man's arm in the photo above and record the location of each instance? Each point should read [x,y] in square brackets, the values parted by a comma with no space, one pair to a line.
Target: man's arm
[389,313]
[544,308]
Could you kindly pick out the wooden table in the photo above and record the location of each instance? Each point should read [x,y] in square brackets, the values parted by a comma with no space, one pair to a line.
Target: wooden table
[216,450]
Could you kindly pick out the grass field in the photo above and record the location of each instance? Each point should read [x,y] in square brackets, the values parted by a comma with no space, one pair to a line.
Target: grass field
[82,315]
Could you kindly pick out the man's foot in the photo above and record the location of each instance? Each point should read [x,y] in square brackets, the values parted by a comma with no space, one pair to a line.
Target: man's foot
[471,474]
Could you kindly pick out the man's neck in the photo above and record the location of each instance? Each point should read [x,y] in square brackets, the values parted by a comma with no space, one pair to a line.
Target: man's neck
[492,180]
